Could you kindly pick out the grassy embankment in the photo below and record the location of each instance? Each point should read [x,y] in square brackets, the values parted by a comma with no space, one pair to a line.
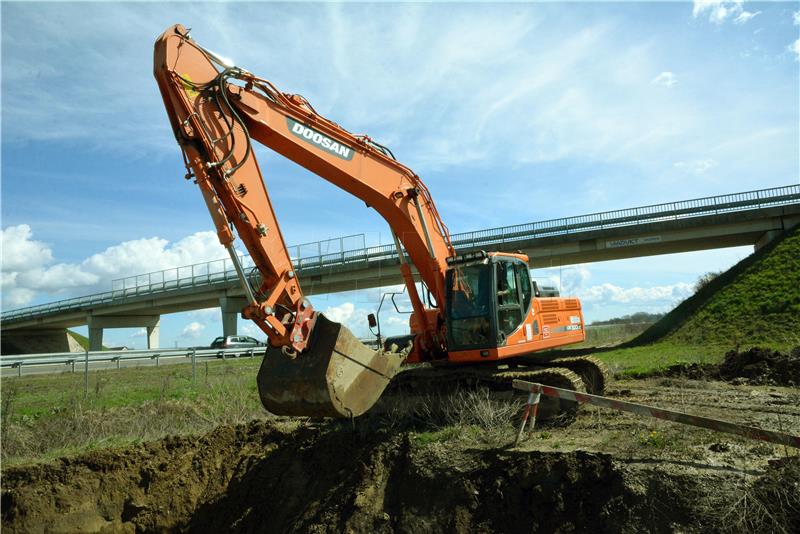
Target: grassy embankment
[754,303]
[83,341]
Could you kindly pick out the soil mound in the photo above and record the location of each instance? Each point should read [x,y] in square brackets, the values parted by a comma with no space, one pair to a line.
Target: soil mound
[330,478]
[755,366]
[763,367]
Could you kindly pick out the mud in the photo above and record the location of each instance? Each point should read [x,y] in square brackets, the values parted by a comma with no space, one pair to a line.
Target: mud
[279,477]
[755,366]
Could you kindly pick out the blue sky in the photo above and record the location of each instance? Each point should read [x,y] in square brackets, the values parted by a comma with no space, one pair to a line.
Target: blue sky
[510,113]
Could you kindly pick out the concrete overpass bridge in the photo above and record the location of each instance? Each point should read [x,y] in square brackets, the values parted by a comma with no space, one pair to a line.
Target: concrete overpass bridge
[748,218]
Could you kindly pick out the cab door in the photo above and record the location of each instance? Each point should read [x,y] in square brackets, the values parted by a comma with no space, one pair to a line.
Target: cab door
[513,297]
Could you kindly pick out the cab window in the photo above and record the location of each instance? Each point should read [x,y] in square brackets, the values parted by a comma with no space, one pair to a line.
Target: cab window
[509,311]
[469,290]
[525,290]
[507,293]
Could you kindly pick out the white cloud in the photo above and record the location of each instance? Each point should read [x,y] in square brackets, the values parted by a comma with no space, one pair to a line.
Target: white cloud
[598,299]
[14,297]
[27,269]
[525,95]
[19,251]
[193,330]
[355,318]
[568,280]
[796,18]
[206,315]
[667,295]
[795,48]
[341,313]
[141,332]
[666,79]
[745,16]
[250,329]
[718,10]
[397,322]
[698,166]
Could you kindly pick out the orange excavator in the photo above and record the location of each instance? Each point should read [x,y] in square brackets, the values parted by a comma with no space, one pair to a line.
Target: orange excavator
[484,316]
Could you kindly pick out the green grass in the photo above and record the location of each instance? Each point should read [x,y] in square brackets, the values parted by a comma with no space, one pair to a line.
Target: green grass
[755,302]
[46,416]
[609,335]
[39,395]
[645,359]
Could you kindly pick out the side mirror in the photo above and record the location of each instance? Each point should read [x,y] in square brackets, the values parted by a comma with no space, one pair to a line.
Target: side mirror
[371,320]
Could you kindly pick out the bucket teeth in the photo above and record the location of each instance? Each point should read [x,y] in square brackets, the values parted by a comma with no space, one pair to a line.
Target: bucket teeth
[337,376]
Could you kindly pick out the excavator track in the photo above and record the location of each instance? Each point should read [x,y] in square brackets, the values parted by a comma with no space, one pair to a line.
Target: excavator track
[594,373]
[419,389]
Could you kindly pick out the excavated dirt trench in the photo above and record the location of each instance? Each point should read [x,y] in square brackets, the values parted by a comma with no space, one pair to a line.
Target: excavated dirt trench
[265,477]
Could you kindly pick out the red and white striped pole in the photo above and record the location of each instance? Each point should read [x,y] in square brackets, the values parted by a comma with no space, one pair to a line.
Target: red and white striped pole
[532,404]
[536,390]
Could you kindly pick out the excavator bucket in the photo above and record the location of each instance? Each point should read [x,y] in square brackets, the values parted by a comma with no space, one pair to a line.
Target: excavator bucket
[337,376]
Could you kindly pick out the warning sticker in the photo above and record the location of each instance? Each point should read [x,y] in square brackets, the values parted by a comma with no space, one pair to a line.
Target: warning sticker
[545,330]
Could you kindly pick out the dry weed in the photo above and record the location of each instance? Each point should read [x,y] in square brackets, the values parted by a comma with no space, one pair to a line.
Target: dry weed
[771,503]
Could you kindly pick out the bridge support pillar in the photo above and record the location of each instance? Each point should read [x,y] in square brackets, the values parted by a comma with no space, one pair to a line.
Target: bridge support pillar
[97,323]
[153,335]
[231,309]
[95,338]
[766,239]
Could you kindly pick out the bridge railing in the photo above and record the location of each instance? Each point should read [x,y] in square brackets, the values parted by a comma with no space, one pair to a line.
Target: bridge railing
[220,271]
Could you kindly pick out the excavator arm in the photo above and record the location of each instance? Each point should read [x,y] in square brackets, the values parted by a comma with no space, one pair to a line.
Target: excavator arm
[216,109]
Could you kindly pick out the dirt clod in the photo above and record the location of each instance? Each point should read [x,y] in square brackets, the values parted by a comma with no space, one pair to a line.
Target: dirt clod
[763,366]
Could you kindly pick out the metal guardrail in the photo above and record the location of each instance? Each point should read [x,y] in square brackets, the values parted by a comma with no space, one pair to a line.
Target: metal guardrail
[21,361]
[776,196]
[18,361]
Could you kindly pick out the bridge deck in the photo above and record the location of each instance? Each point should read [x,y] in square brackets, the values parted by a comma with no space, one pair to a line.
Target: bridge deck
[710,222]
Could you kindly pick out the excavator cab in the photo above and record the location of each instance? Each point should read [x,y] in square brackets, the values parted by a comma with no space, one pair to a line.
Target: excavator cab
[488,297]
